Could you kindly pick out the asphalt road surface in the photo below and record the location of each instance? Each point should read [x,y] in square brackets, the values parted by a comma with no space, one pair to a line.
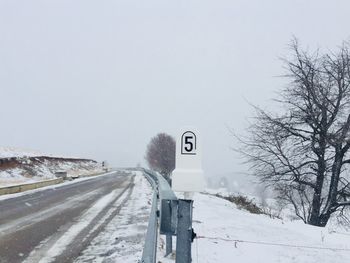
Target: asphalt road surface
[56,225]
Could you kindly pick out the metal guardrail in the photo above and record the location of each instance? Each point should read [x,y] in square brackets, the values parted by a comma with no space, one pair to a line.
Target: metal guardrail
[167,198]
[149,253]
[165,190]
[175,220]
[152,178]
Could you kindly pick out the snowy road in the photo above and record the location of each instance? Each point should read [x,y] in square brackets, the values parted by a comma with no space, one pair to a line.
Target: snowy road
[59,224]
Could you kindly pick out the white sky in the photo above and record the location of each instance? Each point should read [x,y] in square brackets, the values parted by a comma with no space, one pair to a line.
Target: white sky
[98,79]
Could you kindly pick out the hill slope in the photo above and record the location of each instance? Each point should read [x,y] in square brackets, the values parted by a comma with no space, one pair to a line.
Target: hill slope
[227,234]
[17,166]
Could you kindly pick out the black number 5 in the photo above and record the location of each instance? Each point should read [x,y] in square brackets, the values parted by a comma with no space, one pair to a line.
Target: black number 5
[188,144]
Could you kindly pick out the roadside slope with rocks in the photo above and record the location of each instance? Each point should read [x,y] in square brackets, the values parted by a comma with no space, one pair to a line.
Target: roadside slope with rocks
[18,168]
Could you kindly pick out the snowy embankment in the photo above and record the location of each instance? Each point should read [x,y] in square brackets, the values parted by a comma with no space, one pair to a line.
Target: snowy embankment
[22,166]
[227,234]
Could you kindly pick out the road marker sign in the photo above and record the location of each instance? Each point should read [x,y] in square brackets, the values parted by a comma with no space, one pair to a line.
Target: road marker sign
[188,174]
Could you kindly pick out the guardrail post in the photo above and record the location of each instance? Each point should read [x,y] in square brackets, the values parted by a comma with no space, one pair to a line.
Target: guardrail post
[168,245]
[184,231]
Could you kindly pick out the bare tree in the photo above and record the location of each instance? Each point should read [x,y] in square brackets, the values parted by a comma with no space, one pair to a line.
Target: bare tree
[160,154]
[303,151]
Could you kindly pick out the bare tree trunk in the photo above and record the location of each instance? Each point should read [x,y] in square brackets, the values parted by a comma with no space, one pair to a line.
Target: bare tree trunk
[316,201]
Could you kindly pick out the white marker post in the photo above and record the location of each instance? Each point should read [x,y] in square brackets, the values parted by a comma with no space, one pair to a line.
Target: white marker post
[188,174]
[187,178]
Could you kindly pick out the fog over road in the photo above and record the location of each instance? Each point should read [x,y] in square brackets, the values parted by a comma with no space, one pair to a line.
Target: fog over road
[57,224]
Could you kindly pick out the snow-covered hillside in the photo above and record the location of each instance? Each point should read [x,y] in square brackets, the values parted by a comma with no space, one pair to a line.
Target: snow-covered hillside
[227,234]
[19,166]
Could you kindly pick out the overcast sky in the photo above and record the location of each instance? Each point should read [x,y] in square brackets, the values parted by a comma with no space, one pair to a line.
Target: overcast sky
[98,79]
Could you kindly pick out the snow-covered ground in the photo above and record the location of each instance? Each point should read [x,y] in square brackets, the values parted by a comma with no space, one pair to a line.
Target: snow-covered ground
[14,177]
[227,234]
